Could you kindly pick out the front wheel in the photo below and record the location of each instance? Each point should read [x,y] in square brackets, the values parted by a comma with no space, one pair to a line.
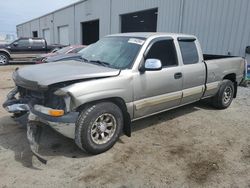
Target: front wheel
[224,97]
[4,59]
[99,127]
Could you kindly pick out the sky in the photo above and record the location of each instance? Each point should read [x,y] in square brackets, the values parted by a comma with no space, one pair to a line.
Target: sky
[14,12]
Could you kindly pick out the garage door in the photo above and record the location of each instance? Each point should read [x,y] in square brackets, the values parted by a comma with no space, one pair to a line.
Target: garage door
[143,21]
[46,35]
[63,34]
[90,32]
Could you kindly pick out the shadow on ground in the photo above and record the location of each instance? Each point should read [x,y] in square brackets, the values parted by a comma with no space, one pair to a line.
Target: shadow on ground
[170,115]
[13,137]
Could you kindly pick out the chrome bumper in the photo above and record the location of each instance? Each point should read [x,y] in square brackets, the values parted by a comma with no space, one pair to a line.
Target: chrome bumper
[14,108]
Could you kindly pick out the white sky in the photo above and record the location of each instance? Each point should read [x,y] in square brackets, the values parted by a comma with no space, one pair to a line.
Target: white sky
[13,12]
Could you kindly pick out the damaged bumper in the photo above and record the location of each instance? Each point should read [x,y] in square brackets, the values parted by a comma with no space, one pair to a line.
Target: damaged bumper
[65,124]
[24,113]
[35,117]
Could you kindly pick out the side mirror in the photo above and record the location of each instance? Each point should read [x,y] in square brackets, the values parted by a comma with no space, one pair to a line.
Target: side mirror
[152,65]
[15,43]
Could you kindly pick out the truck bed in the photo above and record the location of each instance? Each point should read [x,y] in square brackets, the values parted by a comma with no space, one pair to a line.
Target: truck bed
[213,57]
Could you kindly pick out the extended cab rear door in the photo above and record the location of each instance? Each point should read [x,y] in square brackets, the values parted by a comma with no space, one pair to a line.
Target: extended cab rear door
[193,70]
[38,45]
[155,91]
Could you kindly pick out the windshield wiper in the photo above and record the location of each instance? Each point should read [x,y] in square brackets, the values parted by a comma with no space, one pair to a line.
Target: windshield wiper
[103,63]
[84,59]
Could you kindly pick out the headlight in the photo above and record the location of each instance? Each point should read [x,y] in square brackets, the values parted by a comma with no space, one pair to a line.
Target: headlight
[66,97]
[49,111]
[60,92]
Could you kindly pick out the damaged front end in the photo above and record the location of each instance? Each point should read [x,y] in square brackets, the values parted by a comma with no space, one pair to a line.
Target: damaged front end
[36,108]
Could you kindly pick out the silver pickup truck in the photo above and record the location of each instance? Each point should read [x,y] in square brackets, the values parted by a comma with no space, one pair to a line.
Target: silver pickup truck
[120,79]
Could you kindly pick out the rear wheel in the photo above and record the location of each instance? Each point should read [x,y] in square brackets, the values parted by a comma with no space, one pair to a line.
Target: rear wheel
[4,59]
[225,95]
[99,127]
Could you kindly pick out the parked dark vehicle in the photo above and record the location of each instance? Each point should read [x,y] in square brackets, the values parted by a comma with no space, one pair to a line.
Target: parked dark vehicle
[64,57]
[71,50]
[25,49]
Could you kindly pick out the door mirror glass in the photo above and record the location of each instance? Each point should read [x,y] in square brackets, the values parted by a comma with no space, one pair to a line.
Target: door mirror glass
[153,65]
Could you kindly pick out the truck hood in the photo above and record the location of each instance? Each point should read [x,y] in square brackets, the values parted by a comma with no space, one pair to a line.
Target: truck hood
[3,45]
[39,77]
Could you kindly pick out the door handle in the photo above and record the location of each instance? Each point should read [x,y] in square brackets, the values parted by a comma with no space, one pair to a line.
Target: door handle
[178,75]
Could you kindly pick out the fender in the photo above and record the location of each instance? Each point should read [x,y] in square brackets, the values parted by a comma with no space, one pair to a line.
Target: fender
[5,51]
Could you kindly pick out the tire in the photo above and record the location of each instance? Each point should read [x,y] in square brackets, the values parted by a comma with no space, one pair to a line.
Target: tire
[224,97]
[98,127]
[4,59]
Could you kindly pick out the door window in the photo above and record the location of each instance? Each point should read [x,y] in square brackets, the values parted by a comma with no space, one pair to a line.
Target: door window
[23,43]
[163,50]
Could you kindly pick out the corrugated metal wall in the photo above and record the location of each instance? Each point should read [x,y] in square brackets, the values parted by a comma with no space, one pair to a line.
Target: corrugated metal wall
[168,12]
[223,26]
[92,10]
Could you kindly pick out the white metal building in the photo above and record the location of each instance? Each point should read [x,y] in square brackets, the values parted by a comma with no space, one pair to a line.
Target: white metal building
[223,26]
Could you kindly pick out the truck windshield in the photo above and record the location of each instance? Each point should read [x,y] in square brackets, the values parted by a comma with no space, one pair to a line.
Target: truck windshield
[115,52]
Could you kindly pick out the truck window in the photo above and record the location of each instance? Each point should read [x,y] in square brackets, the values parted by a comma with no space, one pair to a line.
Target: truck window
[189,52]
[38,43]
[163,50]
[23,43]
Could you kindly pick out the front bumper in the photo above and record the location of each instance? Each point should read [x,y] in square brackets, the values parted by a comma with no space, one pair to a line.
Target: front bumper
[25,112]
[65,125]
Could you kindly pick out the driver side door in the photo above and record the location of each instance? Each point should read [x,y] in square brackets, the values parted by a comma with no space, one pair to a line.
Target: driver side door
[22,45]
[156,91]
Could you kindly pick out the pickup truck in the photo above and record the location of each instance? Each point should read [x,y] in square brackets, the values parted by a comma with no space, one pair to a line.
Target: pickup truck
[25,49]
[120,79]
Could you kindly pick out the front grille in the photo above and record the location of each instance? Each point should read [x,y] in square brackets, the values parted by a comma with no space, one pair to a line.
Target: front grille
[45,98]
[31,97]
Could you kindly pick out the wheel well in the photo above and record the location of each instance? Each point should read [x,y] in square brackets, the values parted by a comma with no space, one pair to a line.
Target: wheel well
[232,77]
[3,52]
[121,104]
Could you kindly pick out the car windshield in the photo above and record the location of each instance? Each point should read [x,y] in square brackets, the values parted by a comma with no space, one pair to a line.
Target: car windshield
[115,52]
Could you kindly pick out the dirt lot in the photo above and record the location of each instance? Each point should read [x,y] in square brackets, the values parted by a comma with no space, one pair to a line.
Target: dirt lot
[194,146]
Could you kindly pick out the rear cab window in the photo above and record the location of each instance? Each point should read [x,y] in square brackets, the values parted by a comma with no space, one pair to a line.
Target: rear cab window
[189,51]
[38,43]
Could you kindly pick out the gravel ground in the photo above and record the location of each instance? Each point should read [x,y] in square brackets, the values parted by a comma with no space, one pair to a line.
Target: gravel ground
[193,146]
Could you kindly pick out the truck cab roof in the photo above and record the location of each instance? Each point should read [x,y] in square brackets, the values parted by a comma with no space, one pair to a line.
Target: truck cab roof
[33,38]
[147,35]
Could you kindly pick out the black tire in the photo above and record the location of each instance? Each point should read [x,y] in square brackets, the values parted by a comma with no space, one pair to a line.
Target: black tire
[87,136]
[225,95]
[4,59]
